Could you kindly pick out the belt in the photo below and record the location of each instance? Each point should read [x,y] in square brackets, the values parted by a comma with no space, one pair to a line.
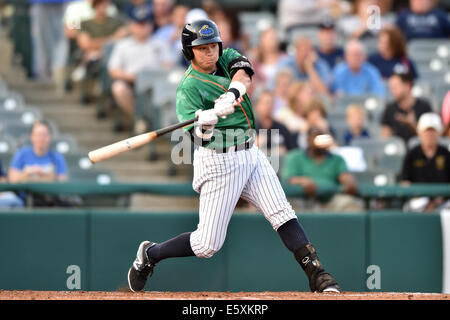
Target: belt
[244,146]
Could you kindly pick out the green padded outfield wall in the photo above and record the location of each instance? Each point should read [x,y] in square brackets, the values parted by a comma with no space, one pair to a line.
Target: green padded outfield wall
[37,248]
[408,250]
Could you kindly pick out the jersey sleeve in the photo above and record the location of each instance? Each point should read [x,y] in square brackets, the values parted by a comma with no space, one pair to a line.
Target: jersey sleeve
[188,102]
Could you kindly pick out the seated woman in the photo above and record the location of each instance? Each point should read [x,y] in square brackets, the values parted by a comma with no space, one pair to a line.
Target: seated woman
[392,54]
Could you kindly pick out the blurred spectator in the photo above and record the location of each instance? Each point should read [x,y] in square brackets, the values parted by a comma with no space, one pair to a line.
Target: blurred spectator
[266,56]
[423,21]
[271,133]
[307,65]
[136,8]
[96,32]
[355,76]
[171,34]
[356,116]
[93,36]
[316,167]
[133,54]
[428,162]
[445,113]
[162,12]
[293,13]
[400,116]
[392,53]
[38,163]
[8,199]
[328,48]
[79,11]
[316,116]
[364,23]
[283,80]
[75,13]
[229,38]
[300,95]
[50,46]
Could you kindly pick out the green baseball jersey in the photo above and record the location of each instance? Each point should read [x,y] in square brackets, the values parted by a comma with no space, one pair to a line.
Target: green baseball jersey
[198,90]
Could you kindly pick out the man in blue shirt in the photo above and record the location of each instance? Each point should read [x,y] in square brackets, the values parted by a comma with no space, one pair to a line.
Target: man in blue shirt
[355,76]
[422,21]
[308,66]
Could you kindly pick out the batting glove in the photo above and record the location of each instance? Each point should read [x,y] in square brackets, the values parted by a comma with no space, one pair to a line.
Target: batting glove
[207,119]
[224,105]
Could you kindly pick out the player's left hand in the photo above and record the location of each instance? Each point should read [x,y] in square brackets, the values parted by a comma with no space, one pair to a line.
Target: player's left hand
[224,105]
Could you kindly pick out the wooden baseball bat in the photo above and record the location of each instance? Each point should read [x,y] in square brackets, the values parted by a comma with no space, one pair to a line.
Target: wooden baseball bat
[119,147]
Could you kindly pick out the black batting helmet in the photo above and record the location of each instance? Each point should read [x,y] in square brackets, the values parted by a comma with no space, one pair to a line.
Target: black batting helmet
[197,33]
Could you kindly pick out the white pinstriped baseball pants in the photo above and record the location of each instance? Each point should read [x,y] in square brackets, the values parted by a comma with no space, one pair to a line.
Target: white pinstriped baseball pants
[221,179]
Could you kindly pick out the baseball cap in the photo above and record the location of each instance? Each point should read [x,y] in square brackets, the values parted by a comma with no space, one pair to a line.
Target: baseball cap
[429,120]
[141,14]
[327,23]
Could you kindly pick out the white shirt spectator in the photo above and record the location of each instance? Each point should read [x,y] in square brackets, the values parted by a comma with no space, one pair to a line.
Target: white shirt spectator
[132,56]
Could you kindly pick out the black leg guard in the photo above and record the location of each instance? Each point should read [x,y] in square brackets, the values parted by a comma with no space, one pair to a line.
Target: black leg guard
[319,280]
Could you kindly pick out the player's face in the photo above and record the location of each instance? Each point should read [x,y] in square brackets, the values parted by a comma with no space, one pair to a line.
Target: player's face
[205,57]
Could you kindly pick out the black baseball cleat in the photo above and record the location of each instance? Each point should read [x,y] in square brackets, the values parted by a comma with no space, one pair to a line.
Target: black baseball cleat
[141,269]
[319,280]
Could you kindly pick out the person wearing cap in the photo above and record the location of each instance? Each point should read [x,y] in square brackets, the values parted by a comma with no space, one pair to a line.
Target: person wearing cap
[400,115]
[133,54]
[428,162]
[328,48]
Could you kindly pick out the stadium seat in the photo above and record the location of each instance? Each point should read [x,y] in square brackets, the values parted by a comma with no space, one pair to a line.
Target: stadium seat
[65,144]
[432,47]
[378,178]
[12,101]
[375,148]
[99,176]
[26,116]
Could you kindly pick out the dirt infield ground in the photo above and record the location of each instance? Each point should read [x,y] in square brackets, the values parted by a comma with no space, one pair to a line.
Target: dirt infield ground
[155,295]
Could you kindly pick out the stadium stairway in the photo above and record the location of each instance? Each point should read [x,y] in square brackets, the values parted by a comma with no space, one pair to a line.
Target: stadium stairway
[80,121]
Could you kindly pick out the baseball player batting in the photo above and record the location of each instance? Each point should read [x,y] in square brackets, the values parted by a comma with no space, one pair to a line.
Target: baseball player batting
[227,166]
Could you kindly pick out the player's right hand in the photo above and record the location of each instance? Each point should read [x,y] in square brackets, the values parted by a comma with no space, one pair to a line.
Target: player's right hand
[207,118]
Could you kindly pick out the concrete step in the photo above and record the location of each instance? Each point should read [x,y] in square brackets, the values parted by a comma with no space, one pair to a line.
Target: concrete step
[156,203]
